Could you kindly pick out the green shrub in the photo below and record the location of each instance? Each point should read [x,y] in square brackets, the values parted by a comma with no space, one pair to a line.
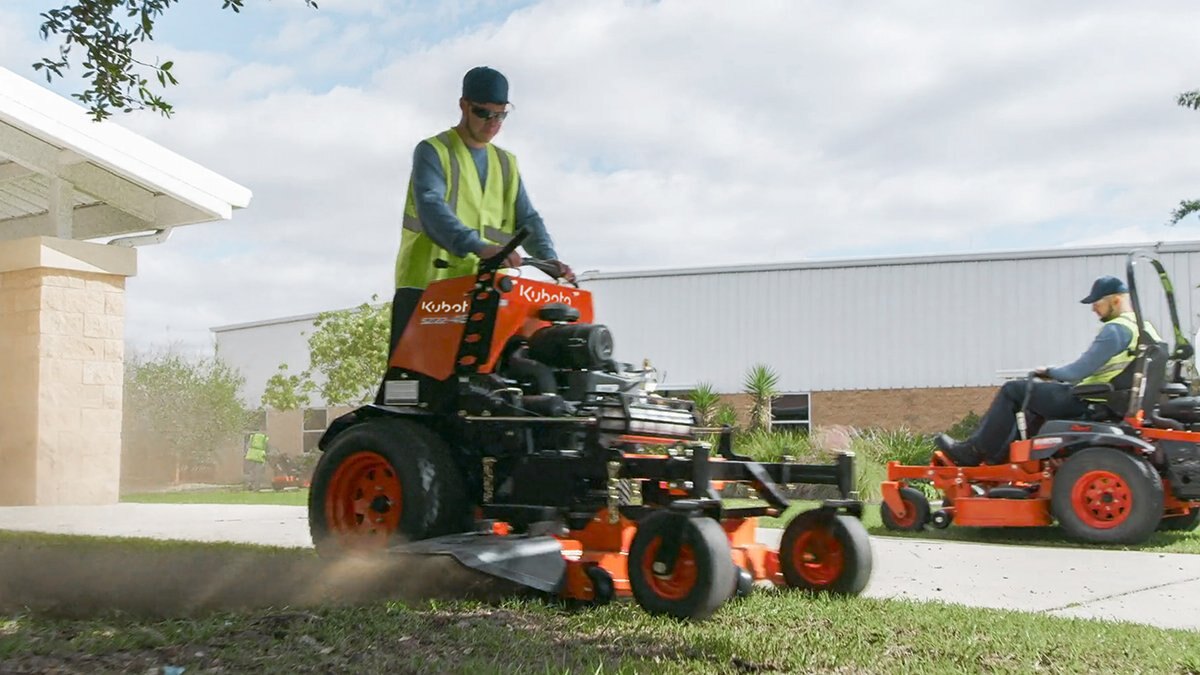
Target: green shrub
[901,445]
[725,415]
[706,401]
[772,446]
[965,426]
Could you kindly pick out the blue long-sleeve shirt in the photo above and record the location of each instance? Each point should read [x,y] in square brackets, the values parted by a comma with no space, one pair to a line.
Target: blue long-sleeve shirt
[446,230]
[1110,341]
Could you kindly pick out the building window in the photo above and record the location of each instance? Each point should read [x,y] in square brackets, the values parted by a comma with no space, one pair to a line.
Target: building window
[316,420]
[790,411]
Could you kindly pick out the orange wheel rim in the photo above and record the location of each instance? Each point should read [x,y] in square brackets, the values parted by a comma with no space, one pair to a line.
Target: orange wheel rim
[818,556]
[363,502]
[678,582]
[1101,499]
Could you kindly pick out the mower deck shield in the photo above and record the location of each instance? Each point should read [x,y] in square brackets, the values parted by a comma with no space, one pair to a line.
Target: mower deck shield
[536,562]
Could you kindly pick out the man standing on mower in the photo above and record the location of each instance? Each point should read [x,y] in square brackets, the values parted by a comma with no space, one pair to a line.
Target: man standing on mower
[465,200]
[1110,352]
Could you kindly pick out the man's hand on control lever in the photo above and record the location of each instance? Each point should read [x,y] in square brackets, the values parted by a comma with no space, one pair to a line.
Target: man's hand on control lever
[564,270]
[513,259]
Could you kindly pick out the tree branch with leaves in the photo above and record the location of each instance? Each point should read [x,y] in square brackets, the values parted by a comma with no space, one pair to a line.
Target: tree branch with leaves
[1190,100]
[107,32]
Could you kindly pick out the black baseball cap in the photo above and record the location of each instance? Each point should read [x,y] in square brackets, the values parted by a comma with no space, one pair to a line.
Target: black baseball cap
[485,85]
[1104,287]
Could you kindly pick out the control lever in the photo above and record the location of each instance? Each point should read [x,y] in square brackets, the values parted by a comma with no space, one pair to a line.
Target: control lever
[495,262]
[546,267]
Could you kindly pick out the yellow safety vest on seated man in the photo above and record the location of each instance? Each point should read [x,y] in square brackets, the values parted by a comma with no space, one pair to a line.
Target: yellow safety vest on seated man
[488,209]
[1123,358]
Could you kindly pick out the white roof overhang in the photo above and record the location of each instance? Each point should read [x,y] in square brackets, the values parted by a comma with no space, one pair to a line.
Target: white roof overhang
[63,175]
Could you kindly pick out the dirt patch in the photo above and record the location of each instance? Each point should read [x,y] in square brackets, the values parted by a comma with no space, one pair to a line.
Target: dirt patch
[85,580]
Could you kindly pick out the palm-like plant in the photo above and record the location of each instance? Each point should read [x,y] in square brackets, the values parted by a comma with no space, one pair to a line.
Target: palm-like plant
[762,384]
[705,399]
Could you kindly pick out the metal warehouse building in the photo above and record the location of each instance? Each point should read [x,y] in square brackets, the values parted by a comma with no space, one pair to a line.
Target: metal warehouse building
[913,341]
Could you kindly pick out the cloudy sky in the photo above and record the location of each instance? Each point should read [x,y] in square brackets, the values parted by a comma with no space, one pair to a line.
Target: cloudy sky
[661,134]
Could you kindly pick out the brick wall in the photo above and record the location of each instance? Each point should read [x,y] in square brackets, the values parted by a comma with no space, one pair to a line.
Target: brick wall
[921,410]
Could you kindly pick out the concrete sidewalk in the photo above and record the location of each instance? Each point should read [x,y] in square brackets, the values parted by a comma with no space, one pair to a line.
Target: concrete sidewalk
[1151,588]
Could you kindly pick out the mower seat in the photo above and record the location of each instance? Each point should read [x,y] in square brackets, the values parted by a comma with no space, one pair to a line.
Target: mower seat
[1104,402]
[1182,409]
[1174,389]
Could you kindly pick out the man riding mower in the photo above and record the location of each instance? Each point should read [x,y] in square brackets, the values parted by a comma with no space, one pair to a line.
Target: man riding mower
[1126,464]
[506,435]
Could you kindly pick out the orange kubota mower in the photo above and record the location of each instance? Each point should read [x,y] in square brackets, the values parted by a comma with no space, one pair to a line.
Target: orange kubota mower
[1131,467]
[509,438]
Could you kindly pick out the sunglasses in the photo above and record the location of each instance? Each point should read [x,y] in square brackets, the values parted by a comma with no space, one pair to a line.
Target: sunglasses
[485,114]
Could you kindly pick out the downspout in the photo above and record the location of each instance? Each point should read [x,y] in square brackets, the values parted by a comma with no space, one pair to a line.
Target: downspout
[156,237]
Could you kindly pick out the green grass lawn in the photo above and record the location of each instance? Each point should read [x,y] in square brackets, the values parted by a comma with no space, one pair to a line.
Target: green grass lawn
[766,633]
[231,495]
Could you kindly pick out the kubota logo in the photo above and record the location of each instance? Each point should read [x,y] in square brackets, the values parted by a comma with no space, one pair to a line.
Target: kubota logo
[539,296]
[443,307]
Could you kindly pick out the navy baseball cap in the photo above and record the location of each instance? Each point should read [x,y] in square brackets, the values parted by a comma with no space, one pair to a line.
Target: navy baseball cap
[1104,287]
[485,85]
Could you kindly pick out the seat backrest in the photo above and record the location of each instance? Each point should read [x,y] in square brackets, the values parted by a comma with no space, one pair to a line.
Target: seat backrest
[1117,402]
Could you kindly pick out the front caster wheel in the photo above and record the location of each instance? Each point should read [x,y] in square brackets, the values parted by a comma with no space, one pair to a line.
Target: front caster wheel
[826,552]
[916,511]
[702,575]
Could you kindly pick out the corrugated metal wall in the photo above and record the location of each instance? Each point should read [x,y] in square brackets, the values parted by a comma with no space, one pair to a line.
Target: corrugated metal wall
[889,323]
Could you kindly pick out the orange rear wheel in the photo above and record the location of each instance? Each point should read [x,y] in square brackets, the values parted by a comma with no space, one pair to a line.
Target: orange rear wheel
[1107,495]
[1101,499]
[364,501]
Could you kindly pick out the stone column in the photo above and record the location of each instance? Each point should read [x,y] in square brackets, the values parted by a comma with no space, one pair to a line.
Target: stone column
[62,307]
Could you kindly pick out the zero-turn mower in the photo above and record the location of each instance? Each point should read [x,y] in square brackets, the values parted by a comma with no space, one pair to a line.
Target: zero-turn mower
[508,437]
[1131,467]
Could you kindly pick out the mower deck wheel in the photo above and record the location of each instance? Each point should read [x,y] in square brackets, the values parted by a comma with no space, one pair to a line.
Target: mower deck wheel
[1185,523]
[916,508]
[703,576]
[1107,496]
[825,552]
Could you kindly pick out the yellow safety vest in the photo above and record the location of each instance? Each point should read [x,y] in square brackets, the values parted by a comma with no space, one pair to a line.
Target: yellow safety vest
[257,452]
[488,209]
[1116,364]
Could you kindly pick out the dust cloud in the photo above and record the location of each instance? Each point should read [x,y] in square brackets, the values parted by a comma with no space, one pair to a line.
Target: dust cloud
[187,580]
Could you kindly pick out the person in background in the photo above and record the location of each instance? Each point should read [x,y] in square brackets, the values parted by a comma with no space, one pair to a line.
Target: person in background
[254,467]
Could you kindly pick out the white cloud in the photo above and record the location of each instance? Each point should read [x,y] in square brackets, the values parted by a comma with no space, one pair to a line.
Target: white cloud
[678,133]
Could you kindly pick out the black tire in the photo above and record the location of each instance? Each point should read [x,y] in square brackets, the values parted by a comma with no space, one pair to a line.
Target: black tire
[704,574]
[400,460]
[1107,496]
[825,552]
[918,511]
[1184,523]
